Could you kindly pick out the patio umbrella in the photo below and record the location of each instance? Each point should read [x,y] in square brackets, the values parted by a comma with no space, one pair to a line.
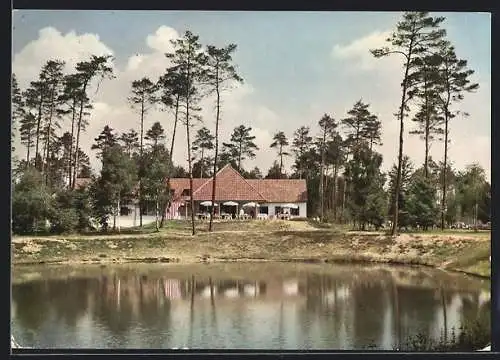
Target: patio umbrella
[207,203]
[291,206]
[251,204]
[230,203]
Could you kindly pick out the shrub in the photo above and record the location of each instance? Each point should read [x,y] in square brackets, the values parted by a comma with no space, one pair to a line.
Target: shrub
[63,221]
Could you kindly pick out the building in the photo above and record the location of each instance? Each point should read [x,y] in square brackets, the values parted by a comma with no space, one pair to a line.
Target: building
[257,198]
[233,192]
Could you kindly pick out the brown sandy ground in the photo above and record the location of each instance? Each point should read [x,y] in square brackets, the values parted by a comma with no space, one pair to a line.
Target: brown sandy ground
[299,241]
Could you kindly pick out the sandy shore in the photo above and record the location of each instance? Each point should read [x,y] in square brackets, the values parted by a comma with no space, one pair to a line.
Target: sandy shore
[260,241]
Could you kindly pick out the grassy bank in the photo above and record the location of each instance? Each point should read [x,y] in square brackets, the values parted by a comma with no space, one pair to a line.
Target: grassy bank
[260,241]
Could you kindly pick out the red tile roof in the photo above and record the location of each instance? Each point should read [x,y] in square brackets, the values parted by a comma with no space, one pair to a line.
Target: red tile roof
[281,190]
[230,185]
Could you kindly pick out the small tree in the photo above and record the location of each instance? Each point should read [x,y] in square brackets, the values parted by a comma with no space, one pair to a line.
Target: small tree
[280,142]
[328,128]
[421,203]
[157,167]
[241,145]
[203,142]
[301,144]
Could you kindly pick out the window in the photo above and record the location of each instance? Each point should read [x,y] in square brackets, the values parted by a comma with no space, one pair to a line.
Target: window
[186,192]
[278,210]
[294,212]
[264,210]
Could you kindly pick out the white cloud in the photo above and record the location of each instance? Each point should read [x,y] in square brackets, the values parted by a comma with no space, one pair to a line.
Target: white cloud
[357,53]
[160,40]
[51,44]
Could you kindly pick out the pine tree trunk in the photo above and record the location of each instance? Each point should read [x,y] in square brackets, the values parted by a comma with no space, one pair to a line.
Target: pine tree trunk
[118,210]
[395,218]
[321,178]
[157,210]
[189,150]
[70,160]
[141,202]
[217,118]
[281,160]
[445,168]
[427,134]
[49,128]
[79,127]
[28,146]
[114,219]
[38,124]
[201,164]
[334,192]
[171,157]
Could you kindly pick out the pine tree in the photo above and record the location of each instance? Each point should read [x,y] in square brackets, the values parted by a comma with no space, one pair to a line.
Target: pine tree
[280,142]
[301,144]
[241,145]
[28,133]
[415,34]
[204,141]
[97,67]
[453,82]
[18,111]
[220,74]
[328,128]
[189,61]
[130,142]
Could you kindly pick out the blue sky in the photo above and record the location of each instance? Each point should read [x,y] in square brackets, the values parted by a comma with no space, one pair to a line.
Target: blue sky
[292,72]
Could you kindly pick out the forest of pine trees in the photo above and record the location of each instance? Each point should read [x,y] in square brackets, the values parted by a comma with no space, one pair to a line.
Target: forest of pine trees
[337,156]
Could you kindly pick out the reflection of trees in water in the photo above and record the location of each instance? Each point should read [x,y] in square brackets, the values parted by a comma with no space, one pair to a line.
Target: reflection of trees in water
[417,311]
[334,304]
[66,300]
[474,310]
[33,304]
[121,301]
[369,303]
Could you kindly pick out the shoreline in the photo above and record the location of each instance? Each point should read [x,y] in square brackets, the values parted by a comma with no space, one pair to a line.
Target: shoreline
[246,260]
[468,253]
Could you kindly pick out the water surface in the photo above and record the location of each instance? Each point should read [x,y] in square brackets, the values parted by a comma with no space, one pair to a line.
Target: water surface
[243,306]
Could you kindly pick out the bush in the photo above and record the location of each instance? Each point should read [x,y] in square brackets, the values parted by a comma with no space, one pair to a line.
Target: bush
[63,221]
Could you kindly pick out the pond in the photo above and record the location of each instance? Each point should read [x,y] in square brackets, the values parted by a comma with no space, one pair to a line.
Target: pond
[240,305]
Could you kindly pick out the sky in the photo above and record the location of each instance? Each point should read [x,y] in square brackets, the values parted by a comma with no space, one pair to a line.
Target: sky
[296,67]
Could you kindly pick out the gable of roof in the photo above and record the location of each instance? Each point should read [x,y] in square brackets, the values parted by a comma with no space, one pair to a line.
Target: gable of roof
[178,185]
[281,190]
[230,185]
